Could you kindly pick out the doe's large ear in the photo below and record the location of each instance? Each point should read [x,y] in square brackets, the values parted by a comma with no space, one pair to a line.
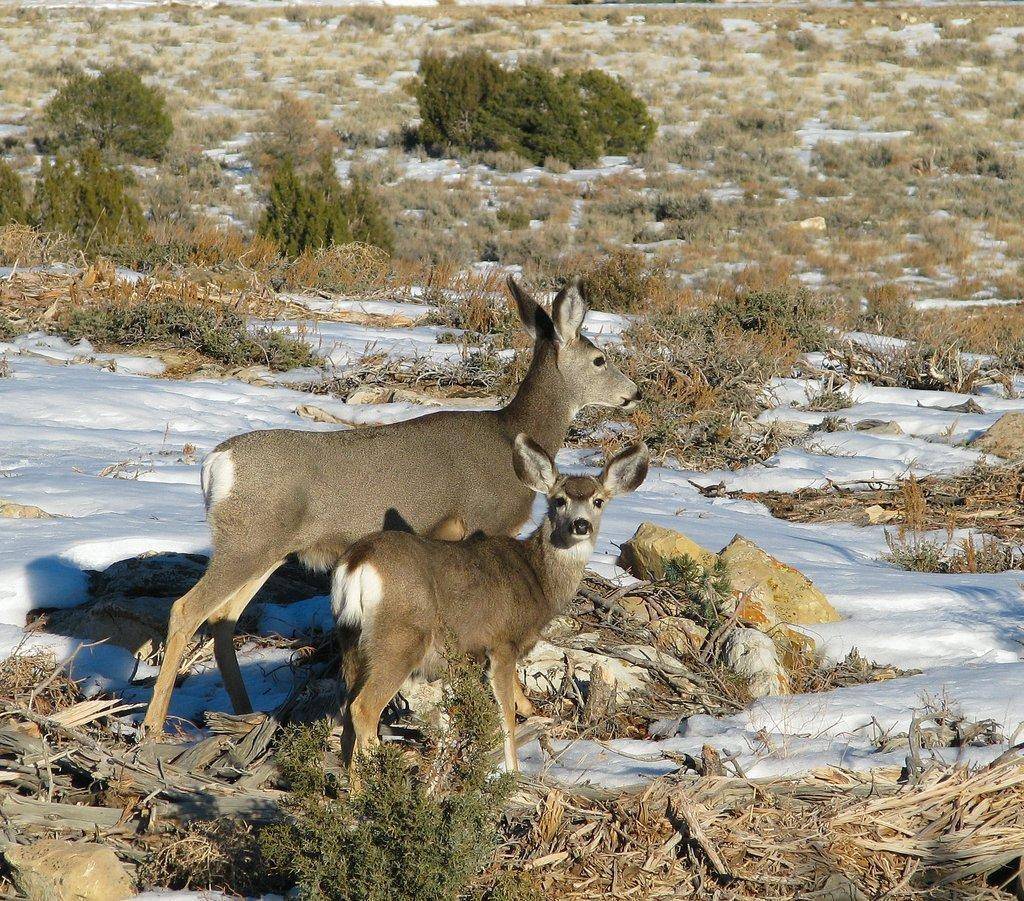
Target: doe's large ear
[533,465]
[568,311]
[535,318]
[627,470]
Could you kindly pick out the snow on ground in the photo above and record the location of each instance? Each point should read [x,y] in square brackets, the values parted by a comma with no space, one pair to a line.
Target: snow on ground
[114,455]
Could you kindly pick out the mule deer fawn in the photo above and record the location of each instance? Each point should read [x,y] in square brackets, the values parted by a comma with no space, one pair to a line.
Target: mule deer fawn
[279,492]
[488,596]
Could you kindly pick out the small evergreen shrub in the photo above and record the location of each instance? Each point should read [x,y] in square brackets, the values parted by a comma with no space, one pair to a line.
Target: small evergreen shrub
[469,102]
[367,223]
[540,117]
[405,836]
[12,196]
[513,217]
[214,331]
[114,110]
[454,95]
[707,590]
[88,200]
[310,213]
[615,113]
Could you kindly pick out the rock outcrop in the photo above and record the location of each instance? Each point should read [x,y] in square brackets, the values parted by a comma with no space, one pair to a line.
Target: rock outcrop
[1004,438]
[53,870]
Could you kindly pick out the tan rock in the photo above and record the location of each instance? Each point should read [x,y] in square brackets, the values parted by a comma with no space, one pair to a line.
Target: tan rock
[795,650]
[636,607]
[652,546]
[885,428]
[53,870]
[814,224]
[369,396]
[877,514]
[318,414]
[12,510]
[679,634]
[793,597]
[136,623]
[1005,438]
[753,656]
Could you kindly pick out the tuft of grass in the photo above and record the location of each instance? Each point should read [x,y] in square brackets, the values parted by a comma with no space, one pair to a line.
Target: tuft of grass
[222,855]
[828,399]
[211,330]
[919,553]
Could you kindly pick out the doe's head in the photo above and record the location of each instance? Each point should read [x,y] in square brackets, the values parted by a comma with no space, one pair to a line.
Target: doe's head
[589,377]
[576,503]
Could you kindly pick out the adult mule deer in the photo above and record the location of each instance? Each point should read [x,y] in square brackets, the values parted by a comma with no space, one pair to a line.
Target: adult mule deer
[279,492]
[487,596]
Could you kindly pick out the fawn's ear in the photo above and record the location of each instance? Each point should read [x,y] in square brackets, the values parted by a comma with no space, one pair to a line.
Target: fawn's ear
[627,470]
[535,318]
[533,465]
[567,312]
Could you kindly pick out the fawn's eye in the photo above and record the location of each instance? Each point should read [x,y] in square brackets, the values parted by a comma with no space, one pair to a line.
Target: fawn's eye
[559,502]
[600,361]
[598,502]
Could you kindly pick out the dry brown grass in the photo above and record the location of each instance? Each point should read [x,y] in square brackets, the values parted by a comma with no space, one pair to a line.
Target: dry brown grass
[986,498]
[944,833]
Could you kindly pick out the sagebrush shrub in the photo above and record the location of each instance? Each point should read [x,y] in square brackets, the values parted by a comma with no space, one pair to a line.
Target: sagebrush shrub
[290,131]
[88,200]
[622,281]
[214,331]
[796,315]
[114,110]
[12,196]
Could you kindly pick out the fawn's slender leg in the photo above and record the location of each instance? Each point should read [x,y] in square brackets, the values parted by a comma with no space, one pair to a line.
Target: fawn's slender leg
[220,581]
[524,706]
[387,663]
[503,684]
[223,623]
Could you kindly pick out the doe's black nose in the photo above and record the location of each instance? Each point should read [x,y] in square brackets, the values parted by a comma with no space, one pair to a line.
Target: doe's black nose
[581,527]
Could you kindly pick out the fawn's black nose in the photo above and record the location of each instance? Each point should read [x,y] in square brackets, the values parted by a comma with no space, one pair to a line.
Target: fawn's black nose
[581,527]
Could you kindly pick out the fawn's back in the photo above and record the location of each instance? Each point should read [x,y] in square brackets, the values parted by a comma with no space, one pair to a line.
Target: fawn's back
[473,593]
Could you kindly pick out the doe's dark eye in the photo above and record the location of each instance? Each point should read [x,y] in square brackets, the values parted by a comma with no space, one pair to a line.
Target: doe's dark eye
[598,502]
[559,502]
[600,361]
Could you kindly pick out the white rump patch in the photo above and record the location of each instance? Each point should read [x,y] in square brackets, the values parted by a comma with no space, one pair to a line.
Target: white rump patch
[355,595]
[217,478]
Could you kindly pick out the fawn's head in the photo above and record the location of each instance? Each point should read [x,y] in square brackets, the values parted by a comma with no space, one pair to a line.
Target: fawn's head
[589,377]
[576,503]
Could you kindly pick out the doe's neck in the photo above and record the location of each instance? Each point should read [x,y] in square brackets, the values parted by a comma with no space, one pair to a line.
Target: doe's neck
[542,407]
